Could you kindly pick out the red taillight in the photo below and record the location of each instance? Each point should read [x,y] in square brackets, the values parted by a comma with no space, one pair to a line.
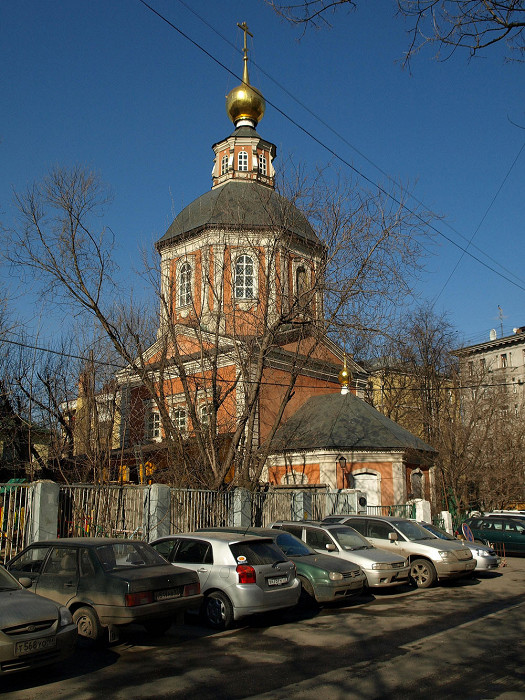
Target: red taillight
[191,589]
[141,598]
[246,573]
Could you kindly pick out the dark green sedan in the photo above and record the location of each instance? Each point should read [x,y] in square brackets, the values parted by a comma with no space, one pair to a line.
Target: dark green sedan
[324,579]
[505,534]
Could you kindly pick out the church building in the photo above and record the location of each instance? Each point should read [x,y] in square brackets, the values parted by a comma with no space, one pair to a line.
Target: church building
[242,344]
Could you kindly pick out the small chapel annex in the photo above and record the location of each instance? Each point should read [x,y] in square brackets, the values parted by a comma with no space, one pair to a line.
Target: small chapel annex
[241,344]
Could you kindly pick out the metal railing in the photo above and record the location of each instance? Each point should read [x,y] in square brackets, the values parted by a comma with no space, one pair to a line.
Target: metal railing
[398,511]
[103,511]
[194,508]
[15,517]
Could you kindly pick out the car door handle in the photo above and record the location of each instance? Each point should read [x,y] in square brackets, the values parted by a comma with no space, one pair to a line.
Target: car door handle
[203,569]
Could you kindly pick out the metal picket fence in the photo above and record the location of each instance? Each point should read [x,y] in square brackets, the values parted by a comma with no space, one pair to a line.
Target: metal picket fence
[103,511]
[15,517]
[195,508]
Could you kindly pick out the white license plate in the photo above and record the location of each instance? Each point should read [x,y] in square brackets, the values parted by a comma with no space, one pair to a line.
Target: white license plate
[166,595]
[277,581]
[32,646]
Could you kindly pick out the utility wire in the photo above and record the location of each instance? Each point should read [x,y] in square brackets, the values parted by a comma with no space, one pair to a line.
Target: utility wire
[354,148]
[115,365]
[480,223]
[334,153]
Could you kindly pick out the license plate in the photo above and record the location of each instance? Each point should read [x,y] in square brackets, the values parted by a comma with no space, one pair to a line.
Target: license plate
[277,581]
[167,594]
[32,646]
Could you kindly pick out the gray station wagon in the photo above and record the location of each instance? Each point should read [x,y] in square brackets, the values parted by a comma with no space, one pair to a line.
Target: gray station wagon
[108,582]
[239,576]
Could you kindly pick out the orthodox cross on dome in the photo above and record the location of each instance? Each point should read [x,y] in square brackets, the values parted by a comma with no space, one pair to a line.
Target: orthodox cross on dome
[345,377]
[244,27]
[245,104]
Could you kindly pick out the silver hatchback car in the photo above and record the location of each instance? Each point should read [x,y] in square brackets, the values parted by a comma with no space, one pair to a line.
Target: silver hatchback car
[239,575]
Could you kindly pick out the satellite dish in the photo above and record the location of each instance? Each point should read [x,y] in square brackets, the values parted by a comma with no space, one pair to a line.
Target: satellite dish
[493,335]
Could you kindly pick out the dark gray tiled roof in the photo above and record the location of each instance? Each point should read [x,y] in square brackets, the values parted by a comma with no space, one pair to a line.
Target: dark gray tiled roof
[245,205]
[342,422]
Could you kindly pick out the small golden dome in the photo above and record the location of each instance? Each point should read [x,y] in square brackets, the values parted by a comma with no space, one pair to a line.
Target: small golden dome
[245,101]
[345,375]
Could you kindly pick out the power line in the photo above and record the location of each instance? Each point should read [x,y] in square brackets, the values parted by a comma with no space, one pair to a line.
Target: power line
[481,222]
[297,385]
[335,154]
[360,153]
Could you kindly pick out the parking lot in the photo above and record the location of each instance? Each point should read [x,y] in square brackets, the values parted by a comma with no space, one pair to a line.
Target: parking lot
[462,638]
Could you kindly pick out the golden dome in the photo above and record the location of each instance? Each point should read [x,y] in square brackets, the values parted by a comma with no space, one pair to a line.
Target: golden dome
[344,375]
[245,101]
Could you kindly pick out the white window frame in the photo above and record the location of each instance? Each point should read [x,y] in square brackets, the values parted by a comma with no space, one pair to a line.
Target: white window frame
[152,422]
[240,285]
[224,164]
[242,161]
[204,415]
[184,286]
[263,165]
[179,416]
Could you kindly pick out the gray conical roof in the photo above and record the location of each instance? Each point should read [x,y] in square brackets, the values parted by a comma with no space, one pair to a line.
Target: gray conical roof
[244,205]
[342,422]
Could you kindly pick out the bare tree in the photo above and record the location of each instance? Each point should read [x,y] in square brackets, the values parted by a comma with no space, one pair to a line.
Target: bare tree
[477,432]
[220,360]
[449,24]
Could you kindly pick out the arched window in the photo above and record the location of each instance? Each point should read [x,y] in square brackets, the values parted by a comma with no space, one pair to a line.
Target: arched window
[242,160]
[262,164]
[244,278]
[224,164]
[301,286]
[184,296]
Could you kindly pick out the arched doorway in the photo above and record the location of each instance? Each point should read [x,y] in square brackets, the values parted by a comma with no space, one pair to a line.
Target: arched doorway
[370,484]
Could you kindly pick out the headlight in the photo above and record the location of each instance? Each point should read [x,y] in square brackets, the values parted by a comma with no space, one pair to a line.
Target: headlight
[64,617]
[483,553]
[448,556]
[381,566]
[335,576]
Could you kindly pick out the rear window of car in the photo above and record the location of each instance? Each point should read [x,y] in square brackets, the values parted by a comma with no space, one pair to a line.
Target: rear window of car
[127,555]
[257,553]
[292,546]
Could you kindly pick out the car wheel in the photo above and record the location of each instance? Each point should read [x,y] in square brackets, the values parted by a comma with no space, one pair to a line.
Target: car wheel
[307,597]
[158,627]
[218,610]
[423,573]
[88,624]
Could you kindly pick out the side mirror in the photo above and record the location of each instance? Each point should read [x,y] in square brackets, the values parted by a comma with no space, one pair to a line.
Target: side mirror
[330,547]
[392,536]
[25,581]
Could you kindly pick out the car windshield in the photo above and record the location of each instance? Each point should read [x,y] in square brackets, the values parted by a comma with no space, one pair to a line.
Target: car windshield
[127,555]
[7,582]
[412,531]
[349,538]
[293,546]
[438,532]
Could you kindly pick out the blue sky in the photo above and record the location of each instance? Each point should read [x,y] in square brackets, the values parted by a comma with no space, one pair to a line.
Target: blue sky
[108,84]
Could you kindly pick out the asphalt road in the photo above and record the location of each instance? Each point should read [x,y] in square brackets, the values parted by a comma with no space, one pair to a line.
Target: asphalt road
[458,640]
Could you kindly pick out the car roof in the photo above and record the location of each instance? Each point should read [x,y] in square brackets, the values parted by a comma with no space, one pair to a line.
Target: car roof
[84,541]
[226,536]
